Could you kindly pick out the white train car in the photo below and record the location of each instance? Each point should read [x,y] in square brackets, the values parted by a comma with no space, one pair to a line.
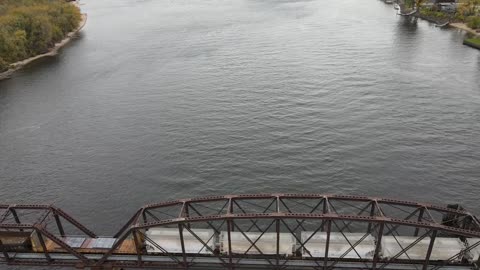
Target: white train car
[169,240]
[267,243]
[473,254]
[338,245]
[443,249]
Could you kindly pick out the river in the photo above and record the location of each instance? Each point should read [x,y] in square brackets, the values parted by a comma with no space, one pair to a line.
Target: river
[157,100]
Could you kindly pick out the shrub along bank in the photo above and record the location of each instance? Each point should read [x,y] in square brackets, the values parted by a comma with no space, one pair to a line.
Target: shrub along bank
[31,27]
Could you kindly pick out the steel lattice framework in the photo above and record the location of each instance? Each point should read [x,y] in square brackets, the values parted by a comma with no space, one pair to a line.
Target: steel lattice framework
[260,213]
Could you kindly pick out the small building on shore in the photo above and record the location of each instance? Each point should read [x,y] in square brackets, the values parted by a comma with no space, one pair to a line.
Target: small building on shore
[444,5]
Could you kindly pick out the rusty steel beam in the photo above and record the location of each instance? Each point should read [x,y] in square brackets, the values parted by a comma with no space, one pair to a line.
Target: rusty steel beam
[15,226]
[394,228]
[61,244]
[352,247]
[302,244]
[372,213]
[420,218]
[42,243]
[229,233]
[208,222]
[30,206]
[59,225]
[358,214]
[15,215]
[334,216]
[444,263]
[5,214]
[130,222]
[327,244]
[182,243]
[5,253]
[430,249]
[311,196]
[205,245]
[254,222]
[42,218]
[376,255]
[321,202]
[138,244]
[114,247]
[160,248]
[404,250]
[172,266]
[73,221]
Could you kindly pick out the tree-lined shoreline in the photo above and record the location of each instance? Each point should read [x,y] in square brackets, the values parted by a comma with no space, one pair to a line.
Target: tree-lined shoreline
[29,28]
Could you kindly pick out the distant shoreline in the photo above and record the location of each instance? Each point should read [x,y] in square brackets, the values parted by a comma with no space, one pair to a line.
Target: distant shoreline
[457,25]
[51,52]
[464,27]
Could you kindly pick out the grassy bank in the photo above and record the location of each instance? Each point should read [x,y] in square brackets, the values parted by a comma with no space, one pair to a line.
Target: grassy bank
[475,41]
[472,42]
[31,27]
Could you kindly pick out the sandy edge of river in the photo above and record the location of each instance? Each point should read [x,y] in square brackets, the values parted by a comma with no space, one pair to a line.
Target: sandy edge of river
[53,51]
[464,27]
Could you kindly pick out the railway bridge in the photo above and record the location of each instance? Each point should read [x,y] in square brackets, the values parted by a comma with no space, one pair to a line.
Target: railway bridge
[261,231]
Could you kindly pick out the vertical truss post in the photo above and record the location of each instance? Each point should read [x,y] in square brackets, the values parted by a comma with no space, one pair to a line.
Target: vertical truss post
[144,216]
[184,213]
[15,216]
[278,233]
[420,217]
[326,209]
[229,235]
[42,243]
[138,245]
[378,244]
[187,213]
[372,213]
[278,242]
[327,243]
[73,221]
[130,222]
[5,253]
[467,220]
[59,224]
[430,249]
[182,243]
[115,246]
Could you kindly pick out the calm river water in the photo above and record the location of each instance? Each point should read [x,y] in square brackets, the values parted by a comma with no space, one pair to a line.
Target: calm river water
[169,99]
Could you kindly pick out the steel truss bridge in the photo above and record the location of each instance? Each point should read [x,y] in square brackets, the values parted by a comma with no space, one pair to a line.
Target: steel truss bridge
[262,231]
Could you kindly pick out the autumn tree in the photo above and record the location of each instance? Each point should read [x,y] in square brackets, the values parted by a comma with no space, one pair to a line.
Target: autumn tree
[31,27]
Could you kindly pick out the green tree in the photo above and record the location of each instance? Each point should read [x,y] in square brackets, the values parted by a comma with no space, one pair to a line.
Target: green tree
[3,65]
[30,27]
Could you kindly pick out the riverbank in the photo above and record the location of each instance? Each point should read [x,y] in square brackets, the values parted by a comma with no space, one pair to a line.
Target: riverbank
[51,52]
[464,27]
[472,42]
[435,20]
[437,17]
[458,25]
